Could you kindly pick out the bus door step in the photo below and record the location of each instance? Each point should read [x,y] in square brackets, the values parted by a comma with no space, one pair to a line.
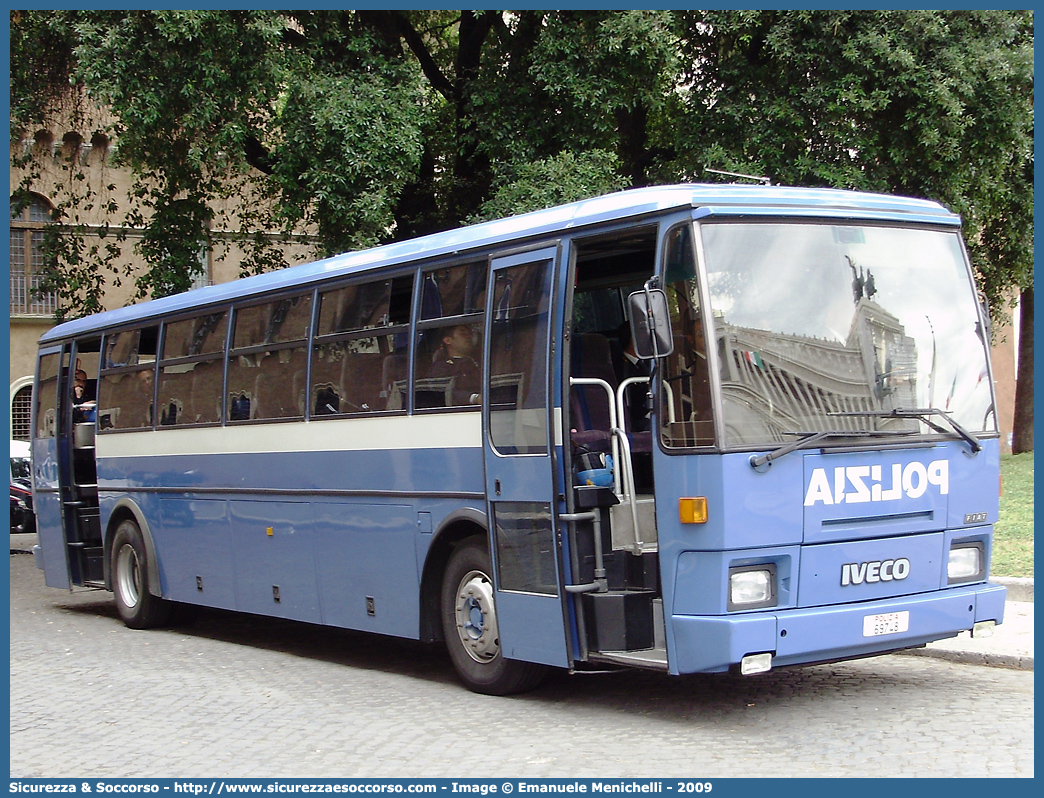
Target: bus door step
[619,620]
[650,658]
[89,525]
[622,525]
[91,560]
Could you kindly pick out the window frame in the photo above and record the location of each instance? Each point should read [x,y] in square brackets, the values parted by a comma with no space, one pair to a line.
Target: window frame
[208,357]
[231,351]
[423,325]
[139,367]
[356,334]
[35,305]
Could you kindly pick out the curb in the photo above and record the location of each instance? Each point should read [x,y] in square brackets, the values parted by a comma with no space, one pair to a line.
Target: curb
[1010,661]
[1020,588]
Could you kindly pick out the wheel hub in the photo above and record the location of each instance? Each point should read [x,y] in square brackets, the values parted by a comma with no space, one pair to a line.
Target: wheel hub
[128,575]
[476,617]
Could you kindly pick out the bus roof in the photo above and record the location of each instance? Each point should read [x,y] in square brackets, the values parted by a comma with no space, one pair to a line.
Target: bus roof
[730,199]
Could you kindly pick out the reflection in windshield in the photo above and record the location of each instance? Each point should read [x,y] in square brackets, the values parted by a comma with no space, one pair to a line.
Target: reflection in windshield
[819,326]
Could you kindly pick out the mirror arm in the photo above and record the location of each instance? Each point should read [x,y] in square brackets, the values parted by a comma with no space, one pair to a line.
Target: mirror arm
[652,327]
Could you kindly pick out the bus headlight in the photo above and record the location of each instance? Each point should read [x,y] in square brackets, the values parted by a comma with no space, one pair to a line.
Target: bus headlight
[967,563]
[752,586]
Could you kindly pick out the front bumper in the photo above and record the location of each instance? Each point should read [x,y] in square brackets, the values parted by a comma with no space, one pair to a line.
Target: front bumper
[710,644]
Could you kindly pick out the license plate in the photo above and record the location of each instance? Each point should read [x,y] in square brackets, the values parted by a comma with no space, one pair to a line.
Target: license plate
[887,623]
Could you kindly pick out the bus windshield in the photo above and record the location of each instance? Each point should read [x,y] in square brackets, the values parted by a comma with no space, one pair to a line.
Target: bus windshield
[823,327]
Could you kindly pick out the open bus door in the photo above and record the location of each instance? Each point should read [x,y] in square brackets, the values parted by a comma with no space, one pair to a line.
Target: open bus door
[52,382]
[64,472]
[518,460]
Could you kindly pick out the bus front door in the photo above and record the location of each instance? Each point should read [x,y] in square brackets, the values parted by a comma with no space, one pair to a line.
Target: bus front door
[518,460]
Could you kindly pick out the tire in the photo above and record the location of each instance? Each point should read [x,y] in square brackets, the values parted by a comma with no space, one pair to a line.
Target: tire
[469,624]
[129,566]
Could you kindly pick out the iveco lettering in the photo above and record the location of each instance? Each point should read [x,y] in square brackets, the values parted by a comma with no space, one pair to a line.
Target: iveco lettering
[690,429]
[856,573]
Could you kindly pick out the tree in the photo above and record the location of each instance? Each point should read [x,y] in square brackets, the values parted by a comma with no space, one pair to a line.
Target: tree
[371,125]
[378,125]
[935,104]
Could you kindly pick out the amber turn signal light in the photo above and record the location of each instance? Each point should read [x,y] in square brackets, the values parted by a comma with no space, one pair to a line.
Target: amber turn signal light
[693,510]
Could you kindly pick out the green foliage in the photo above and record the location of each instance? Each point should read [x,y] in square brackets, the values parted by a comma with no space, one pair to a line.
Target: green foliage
[553,181]
[613,76]
[1013,534]
[596,64]
[174,81]
[934,104]
[378,125]
[350,144]
[43,43]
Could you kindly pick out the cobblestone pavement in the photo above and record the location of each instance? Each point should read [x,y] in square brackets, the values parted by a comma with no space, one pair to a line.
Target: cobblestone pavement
[239,696]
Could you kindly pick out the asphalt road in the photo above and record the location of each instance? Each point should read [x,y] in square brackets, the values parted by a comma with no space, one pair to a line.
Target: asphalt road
[241,696]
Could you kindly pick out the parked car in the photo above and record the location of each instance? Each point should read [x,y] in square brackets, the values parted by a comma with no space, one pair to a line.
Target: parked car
[22,517]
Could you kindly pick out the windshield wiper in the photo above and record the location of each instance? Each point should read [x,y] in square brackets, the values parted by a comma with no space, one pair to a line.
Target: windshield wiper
[808,439]
[923,414]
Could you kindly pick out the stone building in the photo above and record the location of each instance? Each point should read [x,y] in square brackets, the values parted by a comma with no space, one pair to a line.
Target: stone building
[58,157]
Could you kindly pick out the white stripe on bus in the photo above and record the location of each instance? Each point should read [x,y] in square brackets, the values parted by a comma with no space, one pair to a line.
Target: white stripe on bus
[430,431]
[449,431]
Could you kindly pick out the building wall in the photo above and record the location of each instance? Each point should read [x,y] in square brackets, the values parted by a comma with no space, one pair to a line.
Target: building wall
[64,160]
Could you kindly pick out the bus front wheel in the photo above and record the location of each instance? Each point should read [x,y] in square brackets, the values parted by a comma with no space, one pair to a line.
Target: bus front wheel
[138,608]
[469,622]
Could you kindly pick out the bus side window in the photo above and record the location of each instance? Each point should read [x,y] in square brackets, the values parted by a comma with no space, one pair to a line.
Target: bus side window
[448,355]
[688,419]
[191,370]
[362,328]
[518,359]
[267,366]
[47,397]
[126,394]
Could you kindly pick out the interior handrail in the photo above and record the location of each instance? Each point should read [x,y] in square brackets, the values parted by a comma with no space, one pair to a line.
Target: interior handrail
[612,420]
[628,472]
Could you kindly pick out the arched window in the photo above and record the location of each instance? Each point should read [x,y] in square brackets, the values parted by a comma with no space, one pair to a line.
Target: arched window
[21,407]
[27,233]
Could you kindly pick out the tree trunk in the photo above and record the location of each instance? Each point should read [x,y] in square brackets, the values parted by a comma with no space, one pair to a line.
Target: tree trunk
[1022,438]
[632,127]
[472,176]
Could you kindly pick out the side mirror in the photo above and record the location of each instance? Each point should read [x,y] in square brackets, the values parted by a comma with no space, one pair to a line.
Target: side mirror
[650,324]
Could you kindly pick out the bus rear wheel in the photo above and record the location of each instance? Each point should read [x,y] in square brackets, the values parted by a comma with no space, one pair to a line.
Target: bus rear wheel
[469,623]
[137,607]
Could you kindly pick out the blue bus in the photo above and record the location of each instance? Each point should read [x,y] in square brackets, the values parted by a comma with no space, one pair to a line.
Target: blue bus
[693,429]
